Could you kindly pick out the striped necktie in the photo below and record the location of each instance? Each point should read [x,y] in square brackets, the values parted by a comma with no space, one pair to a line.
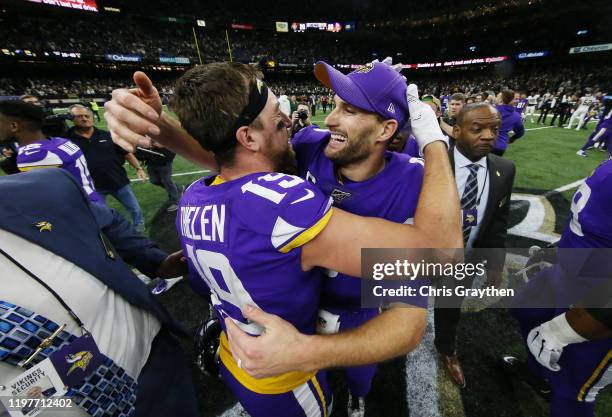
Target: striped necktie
[468,200]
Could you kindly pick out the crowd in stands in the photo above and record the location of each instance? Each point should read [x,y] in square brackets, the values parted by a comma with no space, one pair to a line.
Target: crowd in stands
[528,80]
[152,36]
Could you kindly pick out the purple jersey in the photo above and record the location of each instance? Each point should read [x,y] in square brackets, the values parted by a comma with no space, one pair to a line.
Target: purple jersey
[511,121]
[392,194]
[60,153]
[411,147]
[605,122]
[591,223]
[243,238]
[585,367]
[521,104]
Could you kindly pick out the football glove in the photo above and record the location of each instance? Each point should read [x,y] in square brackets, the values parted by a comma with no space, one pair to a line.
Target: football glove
[423,121]
[546,341]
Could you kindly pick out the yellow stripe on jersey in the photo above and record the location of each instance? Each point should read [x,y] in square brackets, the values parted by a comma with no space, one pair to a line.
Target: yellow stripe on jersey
[308,234]
[218,180]
[29,168]
[320,392]
[589,384]
[272,385]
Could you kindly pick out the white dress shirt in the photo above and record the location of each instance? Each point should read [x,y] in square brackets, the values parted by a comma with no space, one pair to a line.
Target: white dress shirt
[122,332]
[484,182]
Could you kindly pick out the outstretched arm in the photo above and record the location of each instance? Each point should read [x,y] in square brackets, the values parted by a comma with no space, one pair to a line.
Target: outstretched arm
[136,116]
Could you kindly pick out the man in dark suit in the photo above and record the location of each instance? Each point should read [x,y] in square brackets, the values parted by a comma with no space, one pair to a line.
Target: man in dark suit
[484,182]
[61,263]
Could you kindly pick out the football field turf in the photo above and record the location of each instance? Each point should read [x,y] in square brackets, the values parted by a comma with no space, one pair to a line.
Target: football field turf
[546,161]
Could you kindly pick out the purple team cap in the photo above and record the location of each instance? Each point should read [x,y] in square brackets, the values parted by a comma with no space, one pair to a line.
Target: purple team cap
[375,88]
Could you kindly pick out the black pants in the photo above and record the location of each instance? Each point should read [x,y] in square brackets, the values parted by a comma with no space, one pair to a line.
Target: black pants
[543,114]
[161,175]
[498,152]
[447,311]
[562,112]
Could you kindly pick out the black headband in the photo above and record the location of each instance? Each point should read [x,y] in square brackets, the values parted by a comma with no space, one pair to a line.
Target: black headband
[258,97]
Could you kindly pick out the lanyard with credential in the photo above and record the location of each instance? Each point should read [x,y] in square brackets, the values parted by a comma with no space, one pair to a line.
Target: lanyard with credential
[483,186]
[49,340]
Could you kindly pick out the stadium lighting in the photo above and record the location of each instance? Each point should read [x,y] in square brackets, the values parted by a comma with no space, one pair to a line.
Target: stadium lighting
[472,48]
[582,32]
[201,23]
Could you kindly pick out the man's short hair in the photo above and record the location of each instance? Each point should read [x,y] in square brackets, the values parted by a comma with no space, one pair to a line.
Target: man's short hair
[465,110]
[507,96]
[208,99]
[79,106]
[31,114]
[458,97]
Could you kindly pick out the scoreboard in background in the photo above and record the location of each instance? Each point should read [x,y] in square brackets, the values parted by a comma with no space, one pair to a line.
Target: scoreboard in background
[86,5]
[316,26]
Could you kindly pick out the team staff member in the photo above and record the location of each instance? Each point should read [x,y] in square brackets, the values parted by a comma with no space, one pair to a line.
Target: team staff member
[484,182]
[79,255]
[105,161]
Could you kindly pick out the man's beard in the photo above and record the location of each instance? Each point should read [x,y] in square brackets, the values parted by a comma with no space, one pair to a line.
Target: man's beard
[285,161]
[355,150]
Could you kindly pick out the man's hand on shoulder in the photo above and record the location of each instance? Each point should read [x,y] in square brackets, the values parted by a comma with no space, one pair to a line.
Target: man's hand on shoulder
[281,348]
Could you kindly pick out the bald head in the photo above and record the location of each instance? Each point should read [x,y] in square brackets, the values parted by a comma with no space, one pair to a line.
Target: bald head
[477,129]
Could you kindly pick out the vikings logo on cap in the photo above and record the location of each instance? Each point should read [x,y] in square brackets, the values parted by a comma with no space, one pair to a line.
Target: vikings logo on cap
[375,88]
[364,69]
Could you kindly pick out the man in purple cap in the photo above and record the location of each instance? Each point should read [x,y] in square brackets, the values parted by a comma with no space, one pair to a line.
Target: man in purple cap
[266,231]
[350,162]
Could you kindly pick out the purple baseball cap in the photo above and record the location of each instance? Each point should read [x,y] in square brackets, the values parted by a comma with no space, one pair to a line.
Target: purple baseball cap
[375,88]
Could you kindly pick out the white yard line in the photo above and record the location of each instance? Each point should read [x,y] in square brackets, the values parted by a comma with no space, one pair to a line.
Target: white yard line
[538,128]
[180,174]
[566,187]
[422,375]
